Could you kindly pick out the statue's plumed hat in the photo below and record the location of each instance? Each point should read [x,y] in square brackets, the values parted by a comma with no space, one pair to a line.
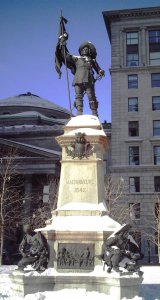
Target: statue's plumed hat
[90,46]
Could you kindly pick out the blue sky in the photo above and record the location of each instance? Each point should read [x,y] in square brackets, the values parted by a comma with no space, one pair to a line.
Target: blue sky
[28,33]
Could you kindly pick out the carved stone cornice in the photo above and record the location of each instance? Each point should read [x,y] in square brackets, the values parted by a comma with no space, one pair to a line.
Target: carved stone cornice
[118,15]
[65,140]
[132,13]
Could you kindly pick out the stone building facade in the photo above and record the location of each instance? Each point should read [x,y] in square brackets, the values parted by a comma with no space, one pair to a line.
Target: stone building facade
[29,125]
[135,75]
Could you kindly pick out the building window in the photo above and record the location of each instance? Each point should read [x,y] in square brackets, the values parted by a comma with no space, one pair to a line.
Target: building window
[132,104]
[132,59]
[156,128]
[156,155]
[154,58]
[132,38]
[133,128]
[154,36]
[133,155]
[132,49]
[133,81]
[134,211]
[154,47]
[46,194]
[134,184]
[157,183]
[156,103]
[155,79]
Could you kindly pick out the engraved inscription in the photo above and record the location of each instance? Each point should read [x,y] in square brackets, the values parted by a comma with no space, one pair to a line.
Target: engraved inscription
[80,181]
[75,256]
[80,185]
[81,190]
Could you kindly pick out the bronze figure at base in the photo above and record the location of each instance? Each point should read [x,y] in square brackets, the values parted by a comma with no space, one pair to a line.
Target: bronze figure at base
[122,251]
[33,249]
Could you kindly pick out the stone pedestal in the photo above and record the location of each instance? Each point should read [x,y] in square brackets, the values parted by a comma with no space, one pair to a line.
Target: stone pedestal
[110,284]
[82,179]
[80,223]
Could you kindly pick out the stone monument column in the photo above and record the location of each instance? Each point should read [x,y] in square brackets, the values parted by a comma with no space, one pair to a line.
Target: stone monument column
[82,169]
[80,223]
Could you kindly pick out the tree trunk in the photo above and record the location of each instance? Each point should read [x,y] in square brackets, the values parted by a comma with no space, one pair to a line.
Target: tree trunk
[1,248]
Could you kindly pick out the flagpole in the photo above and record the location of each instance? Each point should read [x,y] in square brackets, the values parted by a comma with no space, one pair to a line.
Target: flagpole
[68,88]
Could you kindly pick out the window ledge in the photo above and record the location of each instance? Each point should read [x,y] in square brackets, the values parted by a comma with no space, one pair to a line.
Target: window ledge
[133,68]
[142,194]
[155,138]
[133,139]
[133,193]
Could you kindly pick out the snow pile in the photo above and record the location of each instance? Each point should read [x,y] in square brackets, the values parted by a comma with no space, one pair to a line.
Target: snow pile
[135,298]
[98,271]
[84,121]
[151,275]
[5,283]
[84,206]
[47,272]
[150,288]
[82,223]
[72,294]
[87,131]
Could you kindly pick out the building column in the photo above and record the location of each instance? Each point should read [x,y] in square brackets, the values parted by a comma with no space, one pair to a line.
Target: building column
[122,43]
[143,47]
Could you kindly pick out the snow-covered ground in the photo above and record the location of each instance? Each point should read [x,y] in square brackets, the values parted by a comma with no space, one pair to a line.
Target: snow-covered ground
[150,289]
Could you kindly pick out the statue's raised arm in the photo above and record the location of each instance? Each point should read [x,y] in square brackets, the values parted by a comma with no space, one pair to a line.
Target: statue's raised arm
[83,67]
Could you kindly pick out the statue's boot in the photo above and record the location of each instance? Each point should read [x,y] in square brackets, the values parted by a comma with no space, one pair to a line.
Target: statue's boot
[109,270]
[78,104]
[79,110]
[94,107]
[116,269]
[94,113]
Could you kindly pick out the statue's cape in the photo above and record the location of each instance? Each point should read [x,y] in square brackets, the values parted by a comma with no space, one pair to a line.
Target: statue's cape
[125,227]
[122,228]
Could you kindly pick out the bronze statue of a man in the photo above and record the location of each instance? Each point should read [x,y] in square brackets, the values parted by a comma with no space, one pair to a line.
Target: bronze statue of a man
[83,68]
[121,250]
[33,249]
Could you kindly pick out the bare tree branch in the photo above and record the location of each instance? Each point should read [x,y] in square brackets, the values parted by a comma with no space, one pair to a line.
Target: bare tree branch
[114,197]
[43,211]
[11,198]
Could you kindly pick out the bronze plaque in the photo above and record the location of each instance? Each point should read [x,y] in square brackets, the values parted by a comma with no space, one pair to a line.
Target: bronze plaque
[75,256]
